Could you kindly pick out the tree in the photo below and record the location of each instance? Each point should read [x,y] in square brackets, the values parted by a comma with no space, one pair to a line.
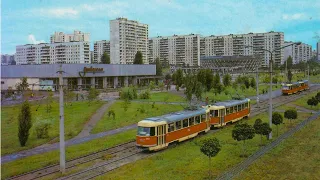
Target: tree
[179,78]
[318,96]
[277,119]
[93,94]
[105,58]
[243,132]
[290,76]
[129,93]
[158,67]
[312,102]
[289,62]
[167,77]
[210,148]
[235,85]
[112,113]
[68,95]
[246,81]
[291,114]
[161,86]
[49,101]
[152,85]
[253,83]
[138,58]
[125,104]
[216,80]
[261,128]
[218,88]
[23,85]
[227,80]
[25,123]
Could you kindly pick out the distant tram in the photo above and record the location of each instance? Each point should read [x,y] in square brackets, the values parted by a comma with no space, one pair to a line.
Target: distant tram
[158,132]
[293,88]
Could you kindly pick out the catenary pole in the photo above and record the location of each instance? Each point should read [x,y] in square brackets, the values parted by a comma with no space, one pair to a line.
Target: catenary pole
[270,97]
[62,143]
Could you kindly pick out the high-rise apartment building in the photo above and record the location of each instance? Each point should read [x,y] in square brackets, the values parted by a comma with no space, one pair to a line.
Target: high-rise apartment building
[126,38]
[235,45]
[44,53]
[182,49]
[99,48]
[298,53]
[77,36]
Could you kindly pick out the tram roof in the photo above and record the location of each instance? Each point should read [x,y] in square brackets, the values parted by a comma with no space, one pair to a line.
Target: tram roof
[231,102]
[176,116]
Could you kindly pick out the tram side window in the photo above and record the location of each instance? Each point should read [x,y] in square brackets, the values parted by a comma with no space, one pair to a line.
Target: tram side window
[228,111]
[185,123]
[215,113]
[246,105]
[197,119]
[152,131]
[242,105]
[191,121]
[203,118]
[170,127]
[212,113]
[178,125]
[239,108]
[235,108]
[231,110]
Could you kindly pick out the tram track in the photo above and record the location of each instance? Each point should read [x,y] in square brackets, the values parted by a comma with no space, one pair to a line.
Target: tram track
[127,152]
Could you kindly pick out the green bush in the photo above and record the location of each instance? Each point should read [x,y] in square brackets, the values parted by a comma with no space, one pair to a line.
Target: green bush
[145,95]
[42,129]
[129,93]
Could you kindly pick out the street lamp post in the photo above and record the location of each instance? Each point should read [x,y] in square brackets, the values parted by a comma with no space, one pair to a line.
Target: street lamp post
[270,89]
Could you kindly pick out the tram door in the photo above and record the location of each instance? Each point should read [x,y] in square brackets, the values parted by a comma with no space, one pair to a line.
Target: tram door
[161,134]
[222,113]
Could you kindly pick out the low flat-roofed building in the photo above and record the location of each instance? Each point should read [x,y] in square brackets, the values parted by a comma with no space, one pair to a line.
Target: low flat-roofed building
[77,76]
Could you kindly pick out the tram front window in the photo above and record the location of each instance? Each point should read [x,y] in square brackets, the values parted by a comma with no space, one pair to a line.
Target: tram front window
[146,131]
[285,87]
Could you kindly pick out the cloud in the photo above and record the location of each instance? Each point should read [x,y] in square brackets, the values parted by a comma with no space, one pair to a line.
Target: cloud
[56,12]
[297,16]
[32,39]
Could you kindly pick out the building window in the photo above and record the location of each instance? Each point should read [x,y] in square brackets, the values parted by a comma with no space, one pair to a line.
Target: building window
[2,82]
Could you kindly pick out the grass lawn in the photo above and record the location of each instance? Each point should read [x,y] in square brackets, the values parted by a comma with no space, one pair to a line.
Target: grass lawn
[185,161]
[303,102]
[37,161]
[314,79]
[75,117]
[164,97]
[295,158]
[132,115]
[246,93]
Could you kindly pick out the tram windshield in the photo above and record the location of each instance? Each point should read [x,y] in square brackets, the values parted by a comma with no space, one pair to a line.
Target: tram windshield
[285,87]
[146,131]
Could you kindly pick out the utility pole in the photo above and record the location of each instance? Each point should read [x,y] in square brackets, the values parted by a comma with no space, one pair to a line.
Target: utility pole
[308,75]
[62,143]
[257,85]
[270,97]
[286,73]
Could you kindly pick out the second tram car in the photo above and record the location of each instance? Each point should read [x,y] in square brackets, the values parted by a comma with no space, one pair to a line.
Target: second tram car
[231,111]
[293,88]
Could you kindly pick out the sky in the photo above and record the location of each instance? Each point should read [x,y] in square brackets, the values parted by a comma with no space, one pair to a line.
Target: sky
[33,21]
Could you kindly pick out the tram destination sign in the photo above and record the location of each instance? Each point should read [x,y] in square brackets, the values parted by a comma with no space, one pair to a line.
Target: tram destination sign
[92,70]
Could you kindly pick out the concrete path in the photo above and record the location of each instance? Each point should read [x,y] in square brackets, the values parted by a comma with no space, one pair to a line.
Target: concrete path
[94,120]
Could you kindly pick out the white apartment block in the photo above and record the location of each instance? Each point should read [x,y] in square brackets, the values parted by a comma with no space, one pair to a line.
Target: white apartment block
[99,48]
[126,38]
[299,53]
[182,49]
[235,45]
[77,36]
[44,53]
